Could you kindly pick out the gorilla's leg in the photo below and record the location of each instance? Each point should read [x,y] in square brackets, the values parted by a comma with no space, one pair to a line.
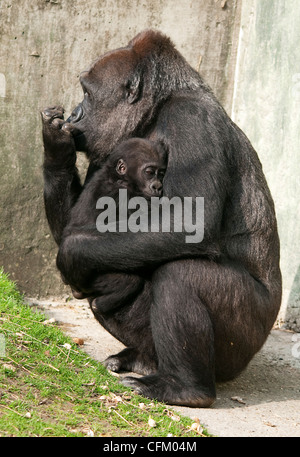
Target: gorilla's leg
[184,342]
[130,324]
[207,319]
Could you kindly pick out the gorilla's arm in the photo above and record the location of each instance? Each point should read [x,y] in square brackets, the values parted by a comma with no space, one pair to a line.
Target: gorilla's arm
[61,181]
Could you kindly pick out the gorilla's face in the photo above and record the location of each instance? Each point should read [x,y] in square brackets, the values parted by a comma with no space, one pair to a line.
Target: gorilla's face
[112,104]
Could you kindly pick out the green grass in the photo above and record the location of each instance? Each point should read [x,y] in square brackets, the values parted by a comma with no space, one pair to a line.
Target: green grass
[50,387]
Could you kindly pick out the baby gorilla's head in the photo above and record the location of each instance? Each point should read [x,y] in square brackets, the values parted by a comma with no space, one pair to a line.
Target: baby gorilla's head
[140,165]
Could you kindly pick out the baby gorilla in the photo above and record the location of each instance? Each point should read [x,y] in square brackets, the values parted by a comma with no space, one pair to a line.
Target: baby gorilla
[137,165]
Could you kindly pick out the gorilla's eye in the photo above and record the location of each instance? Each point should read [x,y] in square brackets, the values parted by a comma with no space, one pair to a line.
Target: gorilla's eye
[149,172]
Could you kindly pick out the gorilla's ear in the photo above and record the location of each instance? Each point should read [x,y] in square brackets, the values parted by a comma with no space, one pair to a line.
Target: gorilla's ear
[134,88]
[121,167]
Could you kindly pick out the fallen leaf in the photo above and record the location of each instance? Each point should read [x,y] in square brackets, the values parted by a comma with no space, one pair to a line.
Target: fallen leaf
[238,399]
[173,416]
[49,321]
[151,422]
[78,341]
[127,397]
[196,427]
[7,366]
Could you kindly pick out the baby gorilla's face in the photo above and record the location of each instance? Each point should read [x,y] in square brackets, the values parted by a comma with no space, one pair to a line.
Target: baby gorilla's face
[147,177]
[142,165]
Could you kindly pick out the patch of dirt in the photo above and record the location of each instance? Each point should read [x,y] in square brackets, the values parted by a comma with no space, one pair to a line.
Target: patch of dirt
[264,401]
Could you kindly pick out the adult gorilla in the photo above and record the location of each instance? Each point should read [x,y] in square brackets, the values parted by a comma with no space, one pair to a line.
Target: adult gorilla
[212,304]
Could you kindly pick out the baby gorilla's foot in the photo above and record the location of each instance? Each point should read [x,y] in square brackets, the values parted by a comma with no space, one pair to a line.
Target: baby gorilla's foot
[130,360]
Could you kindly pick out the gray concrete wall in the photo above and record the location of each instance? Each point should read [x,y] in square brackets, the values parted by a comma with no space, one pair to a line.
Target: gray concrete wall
[266,106]
[44,44]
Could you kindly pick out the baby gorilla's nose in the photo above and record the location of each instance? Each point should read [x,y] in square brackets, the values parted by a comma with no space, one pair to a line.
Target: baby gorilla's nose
[156,188]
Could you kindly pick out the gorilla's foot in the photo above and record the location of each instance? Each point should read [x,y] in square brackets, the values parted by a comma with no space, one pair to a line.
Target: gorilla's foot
[169,390]
[130,360]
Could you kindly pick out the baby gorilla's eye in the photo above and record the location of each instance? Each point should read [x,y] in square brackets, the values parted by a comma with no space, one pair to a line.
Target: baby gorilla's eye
[149,172]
